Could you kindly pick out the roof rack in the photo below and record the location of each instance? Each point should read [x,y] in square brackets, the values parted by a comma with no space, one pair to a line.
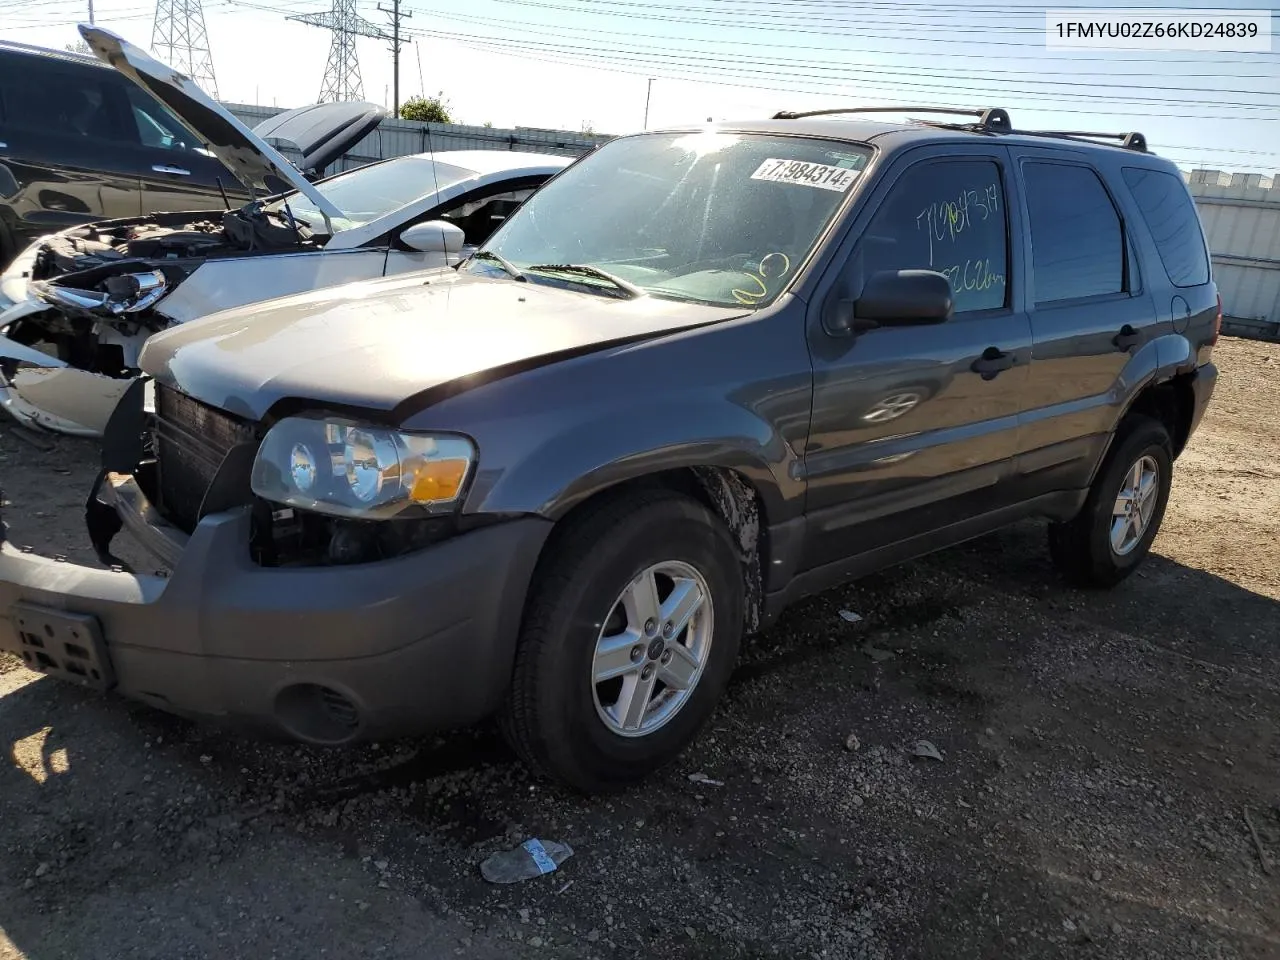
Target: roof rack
[1130,141]
[990,120]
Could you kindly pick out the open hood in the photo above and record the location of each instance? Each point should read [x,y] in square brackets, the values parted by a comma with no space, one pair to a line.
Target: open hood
[323,132]
[243,152]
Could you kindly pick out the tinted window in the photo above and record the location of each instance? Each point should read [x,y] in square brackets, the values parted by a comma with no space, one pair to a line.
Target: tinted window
[1077,240]
[1171,217]
[155,127]
[55,98]
[947,216]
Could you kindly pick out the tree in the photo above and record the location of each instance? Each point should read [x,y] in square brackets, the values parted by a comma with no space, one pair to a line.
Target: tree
[79,47]
[429,109]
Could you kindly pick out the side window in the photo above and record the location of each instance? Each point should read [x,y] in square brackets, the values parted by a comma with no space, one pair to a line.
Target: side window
[1077,239]
[479,214]
[155,127]
[948,216]
[67,101]
[1170,215]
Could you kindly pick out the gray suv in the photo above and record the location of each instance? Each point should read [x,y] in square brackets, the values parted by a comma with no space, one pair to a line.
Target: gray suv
[700,374]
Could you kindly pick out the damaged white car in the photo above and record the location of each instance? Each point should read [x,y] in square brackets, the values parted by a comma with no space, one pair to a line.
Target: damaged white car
[77,306]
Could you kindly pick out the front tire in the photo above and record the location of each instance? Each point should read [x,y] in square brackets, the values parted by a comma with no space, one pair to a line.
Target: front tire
[631,632]
[1114,530]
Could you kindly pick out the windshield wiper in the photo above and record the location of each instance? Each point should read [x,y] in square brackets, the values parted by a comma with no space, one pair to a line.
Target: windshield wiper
[589,271]
[501,261]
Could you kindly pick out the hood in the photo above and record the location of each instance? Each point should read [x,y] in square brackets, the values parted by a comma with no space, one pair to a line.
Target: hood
[243,153]
[376,343]
[323,132]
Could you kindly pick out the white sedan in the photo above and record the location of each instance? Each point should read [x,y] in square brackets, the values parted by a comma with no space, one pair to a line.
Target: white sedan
[77,306]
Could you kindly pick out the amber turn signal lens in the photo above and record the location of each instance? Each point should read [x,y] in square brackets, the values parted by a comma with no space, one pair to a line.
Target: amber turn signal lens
[438,480]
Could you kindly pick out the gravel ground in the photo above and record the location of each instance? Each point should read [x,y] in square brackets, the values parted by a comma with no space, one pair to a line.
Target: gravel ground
[1099,754]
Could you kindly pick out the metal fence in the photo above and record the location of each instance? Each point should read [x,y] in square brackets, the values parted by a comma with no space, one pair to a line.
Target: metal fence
[1241,217]
[398,138]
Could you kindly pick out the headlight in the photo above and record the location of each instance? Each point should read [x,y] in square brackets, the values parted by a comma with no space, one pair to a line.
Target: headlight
[348,469]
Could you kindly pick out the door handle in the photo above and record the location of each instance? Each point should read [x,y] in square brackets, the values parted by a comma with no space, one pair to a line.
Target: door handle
[176,171]
[992,361]
[1127,338]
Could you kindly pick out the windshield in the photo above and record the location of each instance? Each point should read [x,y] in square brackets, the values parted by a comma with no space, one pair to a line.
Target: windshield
[367,193]
[713,217]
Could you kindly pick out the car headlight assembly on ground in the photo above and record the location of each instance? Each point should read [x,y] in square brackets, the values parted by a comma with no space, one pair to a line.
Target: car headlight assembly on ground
[357,471]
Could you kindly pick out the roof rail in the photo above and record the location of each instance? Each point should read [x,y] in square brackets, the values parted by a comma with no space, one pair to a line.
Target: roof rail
[990,119]
[1130,141]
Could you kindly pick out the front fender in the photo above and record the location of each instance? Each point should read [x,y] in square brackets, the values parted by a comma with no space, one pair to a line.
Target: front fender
[593,454]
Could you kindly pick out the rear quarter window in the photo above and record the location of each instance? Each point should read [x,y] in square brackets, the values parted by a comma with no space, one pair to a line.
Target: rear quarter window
[1170,216]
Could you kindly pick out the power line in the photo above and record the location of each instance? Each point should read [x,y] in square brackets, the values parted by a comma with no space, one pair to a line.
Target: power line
[877,71]
[681,61]
[720,41]
[610,64]
[774,28]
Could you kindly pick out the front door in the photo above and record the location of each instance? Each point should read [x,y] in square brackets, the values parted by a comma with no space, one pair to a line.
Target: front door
[177,174]
[914,427]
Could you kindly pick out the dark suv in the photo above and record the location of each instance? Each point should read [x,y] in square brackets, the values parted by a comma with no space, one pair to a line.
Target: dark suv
[79,142]
[698,375]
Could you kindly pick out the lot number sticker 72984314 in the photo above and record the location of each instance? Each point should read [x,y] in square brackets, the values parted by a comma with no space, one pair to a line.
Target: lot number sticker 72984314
[818,175]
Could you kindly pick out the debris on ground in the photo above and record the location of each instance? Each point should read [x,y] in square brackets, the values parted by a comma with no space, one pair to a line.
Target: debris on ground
[1262,854]
[878,654]
[852,743]
[850,617]
[702,778]
[923,748]
[531,859]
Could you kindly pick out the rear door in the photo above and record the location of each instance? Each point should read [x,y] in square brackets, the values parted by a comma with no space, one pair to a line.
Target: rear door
[65,139]
[907,436]
[1090,313]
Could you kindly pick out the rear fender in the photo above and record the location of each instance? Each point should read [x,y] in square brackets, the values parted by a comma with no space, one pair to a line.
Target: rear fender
[1157,361]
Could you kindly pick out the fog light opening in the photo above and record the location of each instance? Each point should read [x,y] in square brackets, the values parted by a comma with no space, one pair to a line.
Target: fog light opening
[317,714]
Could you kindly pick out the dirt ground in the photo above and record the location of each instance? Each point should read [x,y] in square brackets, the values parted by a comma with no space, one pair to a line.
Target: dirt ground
[1100,752]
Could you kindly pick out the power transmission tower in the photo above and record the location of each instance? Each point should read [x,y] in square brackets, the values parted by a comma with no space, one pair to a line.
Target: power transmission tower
[180,40]
[342,72]
[394,16]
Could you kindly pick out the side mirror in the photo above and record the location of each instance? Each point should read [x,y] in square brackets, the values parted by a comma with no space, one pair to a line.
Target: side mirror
[434,236]
[893,298]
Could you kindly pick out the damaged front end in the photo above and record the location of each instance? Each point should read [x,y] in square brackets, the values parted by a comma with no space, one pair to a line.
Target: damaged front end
[124,293]
[94,295]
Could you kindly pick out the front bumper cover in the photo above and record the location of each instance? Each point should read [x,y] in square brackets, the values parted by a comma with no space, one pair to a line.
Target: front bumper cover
[404,646]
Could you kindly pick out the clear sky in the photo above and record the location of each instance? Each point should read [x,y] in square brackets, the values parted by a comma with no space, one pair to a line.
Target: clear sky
[576,63]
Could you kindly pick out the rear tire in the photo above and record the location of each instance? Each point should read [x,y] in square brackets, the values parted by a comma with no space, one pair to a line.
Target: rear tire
[586,619]
[1104,543]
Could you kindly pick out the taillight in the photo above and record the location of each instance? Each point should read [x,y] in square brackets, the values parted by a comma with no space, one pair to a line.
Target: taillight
[1217,322]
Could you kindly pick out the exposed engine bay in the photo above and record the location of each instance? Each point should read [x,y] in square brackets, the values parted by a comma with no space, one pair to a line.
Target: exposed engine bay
[102,282]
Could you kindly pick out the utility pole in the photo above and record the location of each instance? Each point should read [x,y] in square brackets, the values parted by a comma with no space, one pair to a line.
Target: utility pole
[90,11]
[395,15]
[647,95]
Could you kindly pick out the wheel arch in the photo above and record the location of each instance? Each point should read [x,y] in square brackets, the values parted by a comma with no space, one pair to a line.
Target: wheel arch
[741,501]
